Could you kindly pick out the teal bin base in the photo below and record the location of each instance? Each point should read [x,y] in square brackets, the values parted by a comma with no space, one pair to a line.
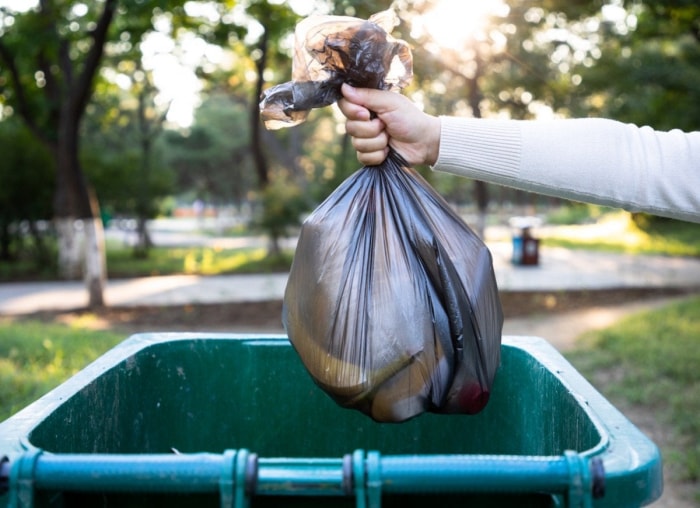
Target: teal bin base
[227,420]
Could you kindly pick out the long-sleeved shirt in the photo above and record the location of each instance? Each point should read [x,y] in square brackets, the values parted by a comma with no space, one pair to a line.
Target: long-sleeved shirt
[591,160]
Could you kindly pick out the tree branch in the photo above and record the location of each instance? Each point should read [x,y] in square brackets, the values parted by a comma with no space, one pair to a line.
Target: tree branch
[65,63]
[52,89]
[22,103]
[83,84]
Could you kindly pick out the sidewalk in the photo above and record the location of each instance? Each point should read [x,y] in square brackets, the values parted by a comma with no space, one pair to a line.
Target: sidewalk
[559,269]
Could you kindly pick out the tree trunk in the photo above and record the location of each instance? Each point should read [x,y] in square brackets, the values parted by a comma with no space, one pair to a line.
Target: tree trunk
[42,254]
[81,248]
[481,192]
[256,139]
[143,239]
[67,91]
[273,248]
[256,145]
[68,237]
[81,252]
[5,237]
[95,265]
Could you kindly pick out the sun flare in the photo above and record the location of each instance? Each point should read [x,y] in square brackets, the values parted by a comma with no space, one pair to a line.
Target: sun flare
[451,23]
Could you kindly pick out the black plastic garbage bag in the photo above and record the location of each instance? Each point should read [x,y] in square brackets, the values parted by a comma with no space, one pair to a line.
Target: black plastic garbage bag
[391,302]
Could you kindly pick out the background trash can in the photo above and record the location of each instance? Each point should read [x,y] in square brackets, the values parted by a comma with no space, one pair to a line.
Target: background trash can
[201,420]
[526,246]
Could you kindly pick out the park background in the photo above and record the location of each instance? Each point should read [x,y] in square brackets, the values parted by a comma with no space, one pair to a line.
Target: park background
[120,116]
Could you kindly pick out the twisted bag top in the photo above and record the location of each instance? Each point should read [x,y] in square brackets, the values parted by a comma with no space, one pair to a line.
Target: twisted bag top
[330,51]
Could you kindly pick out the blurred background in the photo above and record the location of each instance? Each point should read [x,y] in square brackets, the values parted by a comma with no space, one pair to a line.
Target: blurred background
[131,146]
[134,118]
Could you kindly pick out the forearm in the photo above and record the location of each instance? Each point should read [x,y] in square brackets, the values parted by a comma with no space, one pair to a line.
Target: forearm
[591,160]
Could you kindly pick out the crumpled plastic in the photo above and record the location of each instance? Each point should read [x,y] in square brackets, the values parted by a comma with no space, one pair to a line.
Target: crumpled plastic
[391,301]
[330,51]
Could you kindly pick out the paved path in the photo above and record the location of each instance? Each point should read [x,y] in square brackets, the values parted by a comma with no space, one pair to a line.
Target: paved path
[559,269]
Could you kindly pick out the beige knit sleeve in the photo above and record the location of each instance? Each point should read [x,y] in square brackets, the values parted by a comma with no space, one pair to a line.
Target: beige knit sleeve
[591,160]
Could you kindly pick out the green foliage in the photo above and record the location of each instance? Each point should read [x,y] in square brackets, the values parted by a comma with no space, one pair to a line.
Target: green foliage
[651,360]
[122,263]
[282,206]
[648,74]
[24,265]
[119,181]
[119,153]
[576,213]
[211,160]
[35,357]
[49,57]
[51,47]
[26,173]
[360,8]
[453,188]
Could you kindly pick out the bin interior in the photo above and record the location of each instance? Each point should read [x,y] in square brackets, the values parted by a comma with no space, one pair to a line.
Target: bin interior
[211,394]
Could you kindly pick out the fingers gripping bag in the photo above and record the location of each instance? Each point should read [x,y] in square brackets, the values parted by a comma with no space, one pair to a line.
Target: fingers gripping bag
[391,302]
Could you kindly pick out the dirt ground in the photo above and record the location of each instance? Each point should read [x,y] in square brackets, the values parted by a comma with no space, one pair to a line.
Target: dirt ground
[266,315]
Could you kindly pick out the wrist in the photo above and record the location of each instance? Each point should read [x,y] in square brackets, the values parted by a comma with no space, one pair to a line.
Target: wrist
[432,140]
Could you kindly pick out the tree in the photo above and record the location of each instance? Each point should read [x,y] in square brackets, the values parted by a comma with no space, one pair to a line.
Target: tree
[649,65]
[517,62]
[49,88]
[455,66]
[257,36]
[120,152]
[276,20]
[50,55]
[282,206]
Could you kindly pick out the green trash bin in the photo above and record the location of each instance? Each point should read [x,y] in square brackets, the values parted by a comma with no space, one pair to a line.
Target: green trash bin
[225,420]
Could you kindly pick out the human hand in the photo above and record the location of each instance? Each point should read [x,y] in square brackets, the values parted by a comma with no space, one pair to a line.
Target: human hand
[398,123]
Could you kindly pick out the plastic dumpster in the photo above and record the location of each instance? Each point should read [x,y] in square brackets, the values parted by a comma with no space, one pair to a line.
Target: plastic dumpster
[221,420]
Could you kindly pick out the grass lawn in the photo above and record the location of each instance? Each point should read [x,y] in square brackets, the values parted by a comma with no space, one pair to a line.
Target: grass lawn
[121,263]
[35,357]
[651,362]
[195,260]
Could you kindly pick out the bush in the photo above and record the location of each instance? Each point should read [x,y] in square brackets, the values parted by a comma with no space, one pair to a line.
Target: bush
[576,213]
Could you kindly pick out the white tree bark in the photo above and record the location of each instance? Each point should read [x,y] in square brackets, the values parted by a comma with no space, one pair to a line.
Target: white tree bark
[70,241]
[81,251]
[95,262]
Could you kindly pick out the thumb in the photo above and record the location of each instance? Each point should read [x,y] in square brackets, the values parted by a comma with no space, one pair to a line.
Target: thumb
[378,101]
